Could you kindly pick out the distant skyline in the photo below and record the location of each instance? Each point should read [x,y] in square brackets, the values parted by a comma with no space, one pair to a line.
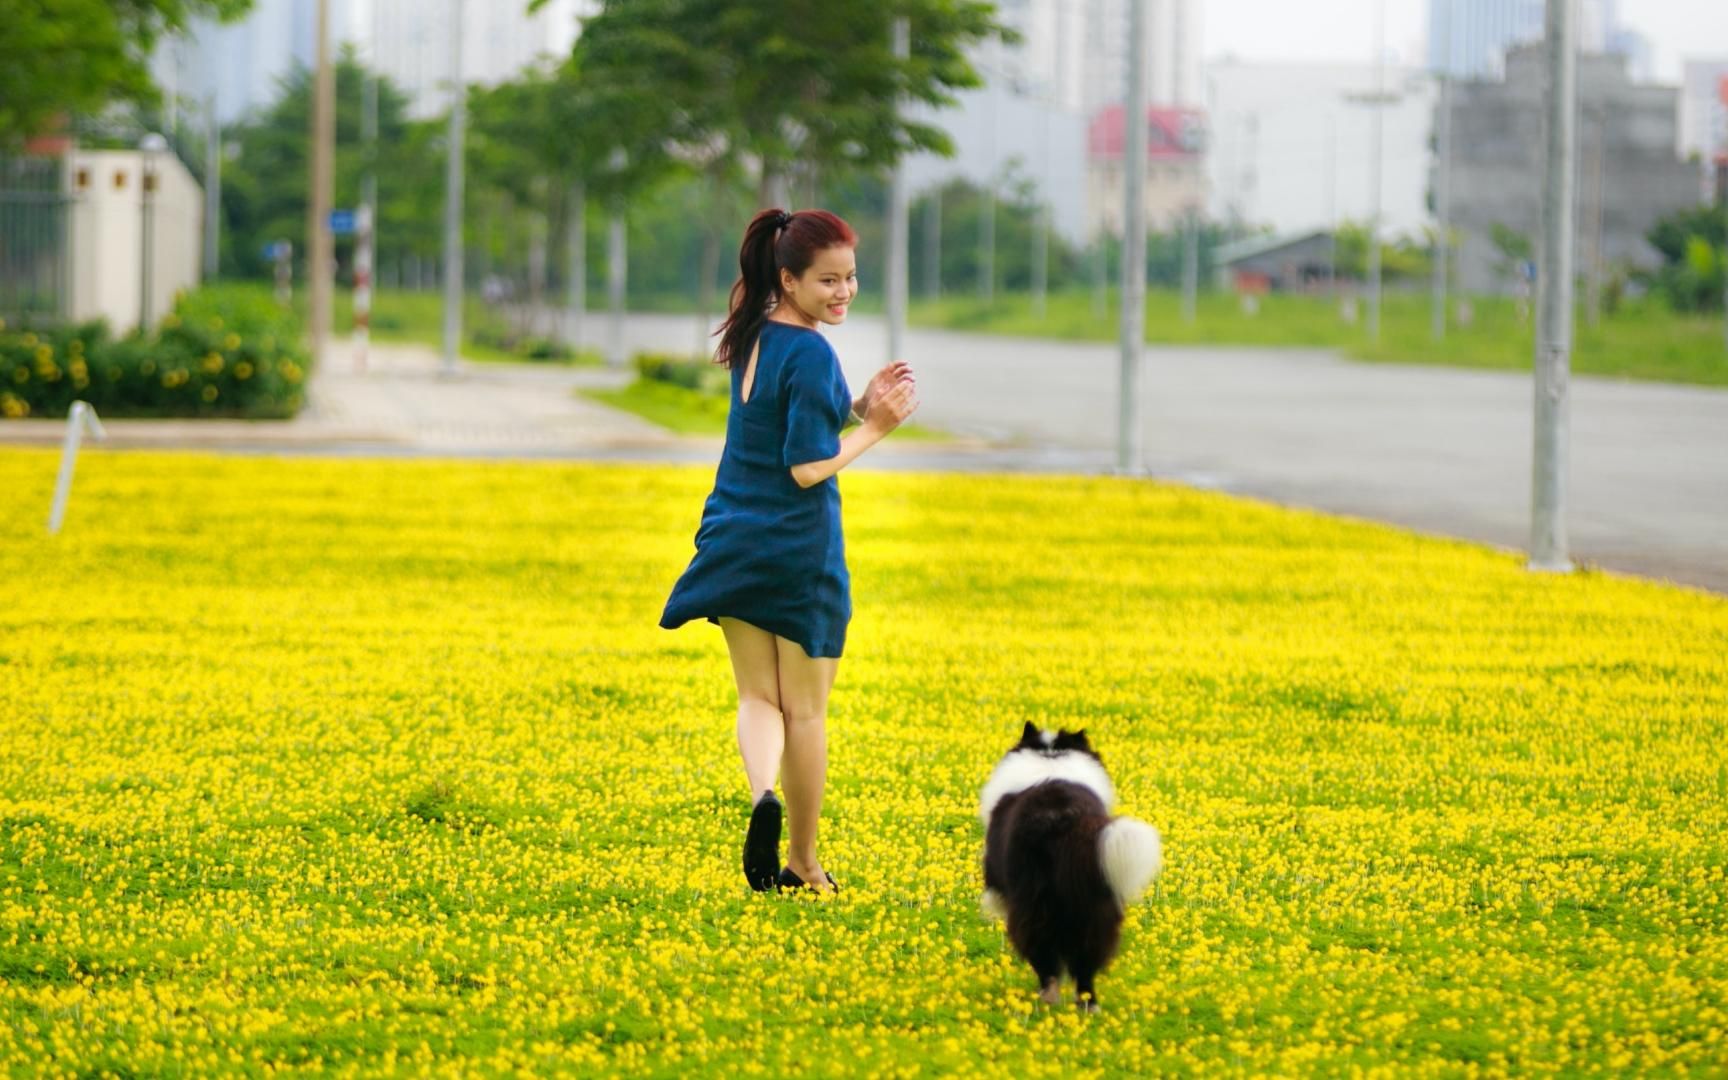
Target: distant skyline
[1277,30]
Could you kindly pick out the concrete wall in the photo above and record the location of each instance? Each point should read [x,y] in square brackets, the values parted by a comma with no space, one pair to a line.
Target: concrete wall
[108,210]
[1628,172]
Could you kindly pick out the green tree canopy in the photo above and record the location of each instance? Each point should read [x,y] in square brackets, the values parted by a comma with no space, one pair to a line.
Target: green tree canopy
[78,56]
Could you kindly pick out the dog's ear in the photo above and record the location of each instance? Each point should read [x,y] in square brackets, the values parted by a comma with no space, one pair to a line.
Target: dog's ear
[1031,736]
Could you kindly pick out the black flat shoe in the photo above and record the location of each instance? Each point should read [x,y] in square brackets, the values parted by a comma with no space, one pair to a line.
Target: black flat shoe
[762,843]
[788,880]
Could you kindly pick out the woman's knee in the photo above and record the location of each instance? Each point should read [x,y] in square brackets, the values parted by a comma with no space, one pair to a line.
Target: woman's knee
[803,715]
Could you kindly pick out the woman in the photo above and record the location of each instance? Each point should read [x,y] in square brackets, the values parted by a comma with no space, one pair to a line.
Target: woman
[770,563]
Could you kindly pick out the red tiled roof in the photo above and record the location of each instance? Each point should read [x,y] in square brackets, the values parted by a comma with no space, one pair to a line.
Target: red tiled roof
[1170,133]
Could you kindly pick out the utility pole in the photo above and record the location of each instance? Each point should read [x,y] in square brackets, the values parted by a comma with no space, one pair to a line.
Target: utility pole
[1379,126]
[1191,265]
[1130,448]
[366,218]
[617,266]
[1548,546]
[1443,188]
[898,226]
[453,195]
[576,255]
[212,190]
[318,241]
[987,238]
[933,244]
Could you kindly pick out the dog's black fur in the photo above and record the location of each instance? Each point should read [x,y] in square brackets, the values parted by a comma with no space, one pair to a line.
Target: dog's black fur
[1041,855]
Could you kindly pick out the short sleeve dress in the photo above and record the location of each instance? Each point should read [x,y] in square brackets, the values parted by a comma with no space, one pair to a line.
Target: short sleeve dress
[769,552]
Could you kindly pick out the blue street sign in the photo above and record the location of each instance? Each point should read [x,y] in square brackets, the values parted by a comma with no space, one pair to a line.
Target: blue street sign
[342,222]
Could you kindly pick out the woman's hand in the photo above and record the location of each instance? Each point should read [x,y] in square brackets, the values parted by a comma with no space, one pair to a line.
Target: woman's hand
[892,407]
[880,383]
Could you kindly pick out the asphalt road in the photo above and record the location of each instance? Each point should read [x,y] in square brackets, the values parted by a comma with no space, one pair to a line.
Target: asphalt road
[1438,449]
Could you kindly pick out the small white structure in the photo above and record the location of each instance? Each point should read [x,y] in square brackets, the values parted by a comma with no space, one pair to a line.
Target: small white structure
[136,234]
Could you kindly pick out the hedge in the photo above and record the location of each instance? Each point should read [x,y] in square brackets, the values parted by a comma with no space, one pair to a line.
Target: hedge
[223,351]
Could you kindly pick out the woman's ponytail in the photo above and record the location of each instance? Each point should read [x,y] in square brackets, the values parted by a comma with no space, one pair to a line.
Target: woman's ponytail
[773,241]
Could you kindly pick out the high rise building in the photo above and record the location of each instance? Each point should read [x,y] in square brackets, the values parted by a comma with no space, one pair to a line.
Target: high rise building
[1469,38]
[1704,116]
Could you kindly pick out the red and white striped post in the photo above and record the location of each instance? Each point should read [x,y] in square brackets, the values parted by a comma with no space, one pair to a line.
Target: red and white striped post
[362,284]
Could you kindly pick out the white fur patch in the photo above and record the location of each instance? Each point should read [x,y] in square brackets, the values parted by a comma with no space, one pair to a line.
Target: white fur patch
[991,904]
[1020,769]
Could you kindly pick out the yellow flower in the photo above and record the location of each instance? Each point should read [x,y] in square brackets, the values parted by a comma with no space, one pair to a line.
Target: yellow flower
[232,341]
[208,393]
[243,370]
[212,363]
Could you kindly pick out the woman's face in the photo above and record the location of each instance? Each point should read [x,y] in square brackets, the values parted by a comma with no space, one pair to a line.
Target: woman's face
[826,288]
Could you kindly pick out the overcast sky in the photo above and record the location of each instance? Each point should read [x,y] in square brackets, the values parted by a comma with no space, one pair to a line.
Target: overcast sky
[1283,30]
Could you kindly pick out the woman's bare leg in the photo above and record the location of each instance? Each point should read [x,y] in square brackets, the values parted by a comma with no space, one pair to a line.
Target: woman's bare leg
[761,727]
[804,686]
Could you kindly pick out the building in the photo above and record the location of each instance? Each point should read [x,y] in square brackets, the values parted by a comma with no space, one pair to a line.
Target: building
[1261,264]
[1468,39]
[1290,145]
[1704,116]
[1175,169]
[1629,172]
[243,63]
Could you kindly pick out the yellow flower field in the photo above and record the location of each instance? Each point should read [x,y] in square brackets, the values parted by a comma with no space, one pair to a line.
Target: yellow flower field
[384,767]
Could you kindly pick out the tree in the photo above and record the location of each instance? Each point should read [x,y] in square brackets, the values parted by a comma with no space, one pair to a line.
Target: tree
[1694,248]
[786,84]
[71,56]
[264,188]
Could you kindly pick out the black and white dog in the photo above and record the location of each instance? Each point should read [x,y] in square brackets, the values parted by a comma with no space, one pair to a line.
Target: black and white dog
[1058,869]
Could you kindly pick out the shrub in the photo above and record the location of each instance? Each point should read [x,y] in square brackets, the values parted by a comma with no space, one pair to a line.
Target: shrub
[691,372]
[223,351]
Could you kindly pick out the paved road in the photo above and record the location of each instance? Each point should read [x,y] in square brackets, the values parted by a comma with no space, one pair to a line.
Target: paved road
[1438,449]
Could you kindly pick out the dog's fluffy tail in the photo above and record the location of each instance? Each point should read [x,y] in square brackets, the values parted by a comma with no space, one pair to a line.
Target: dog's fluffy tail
[1131,854]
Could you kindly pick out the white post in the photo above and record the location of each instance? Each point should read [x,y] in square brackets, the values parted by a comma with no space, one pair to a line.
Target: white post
[898,226]
[1130,449]
[212,189]
[81,416]
[1548,546]
[1442,210]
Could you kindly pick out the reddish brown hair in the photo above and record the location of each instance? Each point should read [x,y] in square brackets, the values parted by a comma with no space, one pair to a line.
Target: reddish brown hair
[774,241]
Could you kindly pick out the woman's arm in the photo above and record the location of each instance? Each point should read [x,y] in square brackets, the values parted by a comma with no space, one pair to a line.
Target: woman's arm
[886,414]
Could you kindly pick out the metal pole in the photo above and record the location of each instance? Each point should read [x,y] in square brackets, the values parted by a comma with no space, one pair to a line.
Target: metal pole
[933,244]
[616,267]
[1548,546]
[453,196]
[1442,211]
[898,226]
[1374,171]
[318,240]
[1130,449]
[987,240]
[366,220]
[1191,265]
[212,187]
[146,233]
[576,287]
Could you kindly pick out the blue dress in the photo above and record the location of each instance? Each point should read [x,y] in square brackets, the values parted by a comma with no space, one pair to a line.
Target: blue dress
[769,552]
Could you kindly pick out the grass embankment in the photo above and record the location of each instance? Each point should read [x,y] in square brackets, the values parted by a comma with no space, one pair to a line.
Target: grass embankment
[385,766]
[488,335]
[1640,341]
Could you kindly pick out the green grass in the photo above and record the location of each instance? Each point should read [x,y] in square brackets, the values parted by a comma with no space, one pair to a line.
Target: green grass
[1641,341]
[418,317]
[690,412]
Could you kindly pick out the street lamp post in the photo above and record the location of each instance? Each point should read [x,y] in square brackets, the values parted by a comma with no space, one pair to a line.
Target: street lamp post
[151,145]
